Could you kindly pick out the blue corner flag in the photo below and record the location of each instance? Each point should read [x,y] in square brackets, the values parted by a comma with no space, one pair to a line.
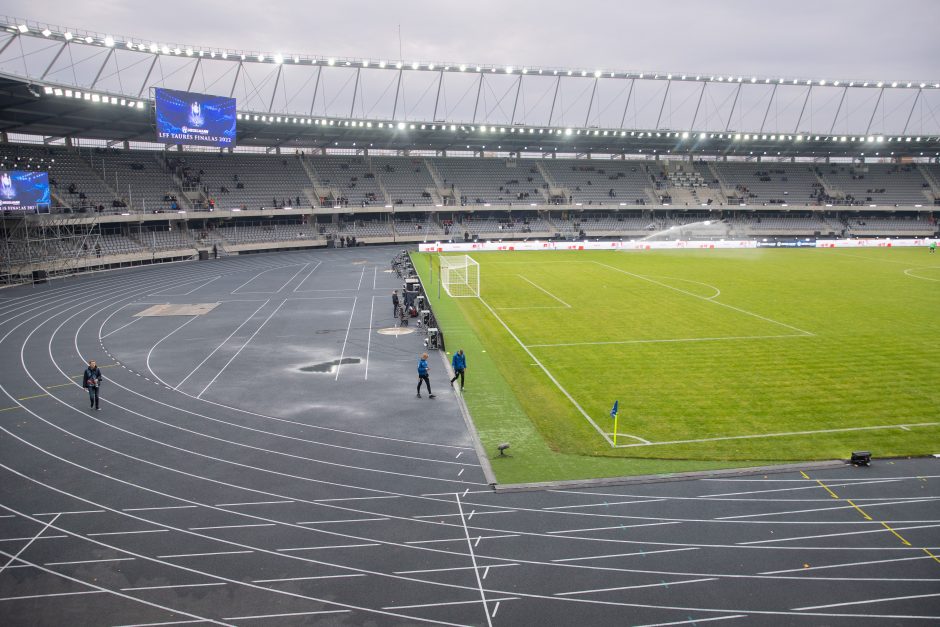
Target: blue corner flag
[613,411]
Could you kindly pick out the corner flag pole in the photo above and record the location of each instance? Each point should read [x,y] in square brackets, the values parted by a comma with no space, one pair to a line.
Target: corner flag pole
[616,416]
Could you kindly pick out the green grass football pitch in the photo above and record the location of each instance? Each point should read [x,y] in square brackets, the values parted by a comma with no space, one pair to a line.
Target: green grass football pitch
[718,358]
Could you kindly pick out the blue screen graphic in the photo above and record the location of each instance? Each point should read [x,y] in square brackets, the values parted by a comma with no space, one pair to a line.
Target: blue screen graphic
[24,191]
[188,118]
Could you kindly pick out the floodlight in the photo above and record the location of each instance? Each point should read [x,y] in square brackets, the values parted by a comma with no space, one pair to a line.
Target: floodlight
[430,66]
[333,62]
[46,32]
[894,84]
[414,66]
[177,51]
[261,57]
[189,52]
[89,39]
[108,41]
[508,69]
[67,36]
[23,28]
[278,58]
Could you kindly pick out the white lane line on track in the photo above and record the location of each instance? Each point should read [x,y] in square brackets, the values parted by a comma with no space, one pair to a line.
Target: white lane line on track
[310,578]
[473,559]
[446,570]
[335,546]
[173,587]
[868,601]
[694,621]
[232,526]
[845,565]
[26,597]
[309,274]
[216,349]
[880,529]
[656,524]
[664,584]
[150,509]
[27,545]
[612,555]
[209,554]
[369,342]
[83,511]
[126,533]
[447,604]
[252,503]
[110,559]
[241,348]
[123,326]
[97,588]
[55,537]
[335,522]
[287,614]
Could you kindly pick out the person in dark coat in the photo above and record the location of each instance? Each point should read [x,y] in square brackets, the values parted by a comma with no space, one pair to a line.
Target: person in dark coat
[91,381]
[459,362]
[395,303]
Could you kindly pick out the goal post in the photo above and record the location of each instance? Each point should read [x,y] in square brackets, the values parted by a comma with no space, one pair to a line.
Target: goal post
[460,276]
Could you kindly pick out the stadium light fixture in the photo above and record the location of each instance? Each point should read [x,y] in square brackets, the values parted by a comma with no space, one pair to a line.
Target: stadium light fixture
[23,28]
[508,69]
[332,61]
[67,36]
[46,32]
[165,50]
[189,52]
[278,58]
[89,39]
[177,51]
[431,66]
[894,84]
[414,66]
[463,68]
[880,84]
[261,57]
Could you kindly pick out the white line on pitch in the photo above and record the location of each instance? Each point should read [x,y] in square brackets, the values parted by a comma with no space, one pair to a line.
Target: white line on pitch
[671,340]
[342,353]
[307,578]
[202,554]
[182,585]
[555,381]
[216,349]
[532,283]
[664,584]
[112,559]
[708,300]
[780,435]
[241,348]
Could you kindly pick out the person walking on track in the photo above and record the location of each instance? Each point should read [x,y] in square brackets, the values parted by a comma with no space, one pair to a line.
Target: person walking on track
[459,362]
[91,381]
[423,371]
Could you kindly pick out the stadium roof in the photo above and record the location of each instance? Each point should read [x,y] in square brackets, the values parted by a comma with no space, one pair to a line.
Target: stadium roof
[61,82]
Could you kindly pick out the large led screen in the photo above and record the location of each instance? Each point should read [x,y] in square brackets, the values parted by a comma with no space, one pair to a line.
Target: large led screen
[24,191]
[188,118]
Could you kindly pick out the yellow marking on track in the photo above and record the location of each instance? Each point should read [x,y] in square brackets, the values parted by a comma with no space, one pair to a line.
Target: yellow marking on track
[859,509]
[10,408]
[805,476]
[900,537]
[26,398]
[826,488]
[935,558]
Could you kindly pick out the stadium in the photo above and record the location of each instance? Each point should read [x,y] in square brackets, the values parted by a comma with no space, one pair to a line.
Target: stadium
[698,312]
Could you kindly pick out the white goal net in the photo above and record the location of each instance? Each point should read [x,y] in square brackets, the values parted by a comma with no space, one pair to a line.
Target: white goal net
[460,276]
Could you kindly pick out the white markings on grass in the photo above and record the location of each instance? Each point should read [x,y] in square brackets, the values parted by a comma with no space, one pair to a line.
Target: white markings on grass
[709,299]
[242,347]
[216,349]
[909,273]
[542,289]
[671,340]
[556,382]
[780,435]
[473,558]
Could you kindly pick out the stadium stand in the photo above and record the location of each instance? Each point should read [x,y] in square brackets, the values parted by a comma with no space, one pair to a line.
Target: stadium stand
[879,184]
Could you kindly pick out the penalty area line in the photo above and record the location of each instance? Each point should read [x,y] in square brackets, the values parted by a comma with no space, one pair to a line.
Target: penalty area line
[781,435]
[552,378]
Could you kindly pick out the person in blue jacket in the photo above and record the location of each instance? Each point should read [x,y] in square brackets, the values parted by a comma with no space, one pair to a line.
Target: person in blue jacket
[459,362]
[423,370]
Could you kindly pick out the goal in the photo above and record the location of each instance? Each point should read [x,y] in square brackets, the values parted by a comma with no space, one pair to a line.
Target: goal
[460,276]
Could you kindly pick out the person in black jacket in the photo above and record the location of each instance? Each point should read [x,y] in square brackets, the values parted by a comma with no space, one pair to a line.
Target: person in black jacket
[91,381]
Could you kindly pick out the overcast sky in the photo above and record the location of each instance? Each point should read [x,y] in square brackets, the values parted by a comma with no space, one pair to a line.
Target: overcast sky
[867,39]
